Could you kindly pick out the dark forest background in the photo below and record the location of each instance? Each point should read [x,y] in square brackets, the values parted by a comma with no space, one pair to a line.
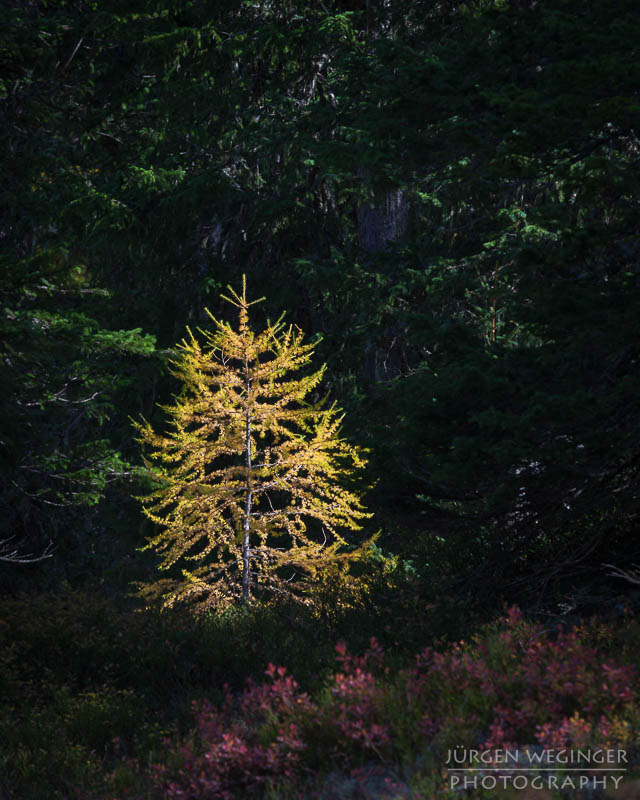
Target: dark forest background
[445,195]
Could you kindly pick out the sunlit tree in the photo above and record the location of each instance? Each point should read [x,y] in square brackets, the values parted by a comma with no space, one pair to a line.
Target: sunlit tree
[252,480]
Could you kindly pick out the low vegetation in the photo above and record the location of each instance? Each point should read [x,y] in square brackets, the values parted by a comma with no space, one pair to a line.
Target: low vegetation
[101,703]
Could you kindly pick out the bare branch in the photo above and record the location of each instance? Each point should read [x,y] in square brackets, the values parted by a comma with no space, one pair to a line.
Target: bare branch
[633,575]
[13,556]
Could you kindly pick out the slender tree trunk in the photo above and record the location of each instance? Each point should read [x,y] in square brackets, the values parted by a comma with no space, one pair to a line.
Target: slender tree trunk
[246,548]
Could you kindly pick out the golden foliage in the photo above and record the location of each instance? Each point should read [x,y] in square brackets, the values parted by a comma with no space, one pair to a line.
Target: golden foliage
[250,477]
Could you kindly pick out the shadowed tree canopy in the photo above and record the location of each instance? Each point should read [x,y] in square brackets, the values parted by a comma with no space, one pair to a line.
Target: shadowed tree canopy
[446,191]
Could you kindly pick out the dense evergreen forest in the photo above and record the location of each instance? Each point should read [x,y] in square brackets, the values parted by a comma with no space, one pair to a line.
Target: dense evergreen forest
[444,197]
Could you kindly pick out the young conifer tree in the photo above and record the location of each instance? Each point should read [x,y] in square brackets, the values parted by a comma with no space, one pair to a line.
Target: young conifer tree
[250,476]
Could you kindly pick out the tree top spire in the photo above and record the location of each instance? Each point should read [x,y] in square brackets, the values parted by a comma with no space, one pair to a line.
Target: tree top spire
[241,302]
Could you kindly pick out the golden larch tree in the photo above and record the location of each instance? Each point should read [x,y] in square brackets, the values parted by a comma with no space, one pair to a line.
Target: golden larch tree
[251,479]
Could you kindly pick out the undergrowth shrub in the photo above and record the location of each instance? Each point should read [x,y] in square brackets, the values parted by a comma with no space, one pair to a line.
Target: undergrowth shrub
[514,684]
[518,684]
[243,746]
[97,701]
[87,681]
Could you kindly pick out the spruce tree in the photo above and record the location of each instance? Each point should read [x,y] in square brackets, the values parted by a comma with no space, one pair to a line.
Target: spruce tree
[251,477]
